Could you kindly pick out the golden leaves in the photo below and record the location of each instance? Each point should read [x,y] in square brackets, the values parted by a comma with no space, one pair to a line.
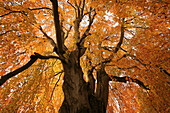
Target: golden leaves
[146,42]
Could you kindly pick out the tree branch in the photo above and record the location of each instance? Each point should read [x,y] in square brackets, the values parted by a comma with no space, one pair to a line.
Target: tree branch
[78,9]
[132,67]
[71,5]
[134,58]
[86,33]
[137,27]
[33,59]
[121,38]
[68,31]
[82,9]
[131,32]
[59,72]
[126,79]
[22,12]
[49,38]
[59,38]
[163,70]
[56,84]
[39,8]
[6,32]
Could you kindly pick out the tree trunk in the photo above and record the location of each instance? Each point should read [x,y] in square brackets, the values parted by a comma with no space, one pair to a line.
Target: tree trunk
[78,95]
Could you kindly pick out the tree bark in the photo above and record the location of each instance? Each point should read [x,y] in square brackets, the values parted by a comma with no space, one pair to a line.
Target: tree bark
[74,87]
[79,96]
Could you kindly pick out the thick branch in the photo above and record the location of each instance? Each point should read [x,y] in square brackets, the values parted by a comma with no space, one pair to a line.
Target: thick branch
[33,59]
[126,79]
[11,74]
[59,38]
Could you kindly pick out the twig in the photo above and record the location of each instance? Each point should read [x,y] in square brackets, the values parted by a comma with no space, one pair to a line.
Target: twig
[56,84]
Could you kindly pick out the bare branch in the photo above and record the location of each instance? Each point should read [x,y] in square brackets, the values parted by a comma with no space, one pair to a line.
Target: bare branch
[132,67]
[5,32]
[112,49]
[73,7]
[49,38]
[59,73]
[86,33]
[128,67]
[137,27]
[107,60]
[78,9]
[19,70]
[46,57]
[56,84]
[163,70]
[134,58]
[126,79]
[130,32]
[22,12]
[68,31]
[71,4]
[88,12]
[123,49]
[39,8]
[121,38]
[82,9]
[59,38]
[108,48]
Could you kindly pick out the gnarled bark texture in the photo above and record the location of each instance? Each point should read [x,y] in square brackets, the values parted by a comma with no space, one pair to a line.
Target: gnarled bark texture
[80,96]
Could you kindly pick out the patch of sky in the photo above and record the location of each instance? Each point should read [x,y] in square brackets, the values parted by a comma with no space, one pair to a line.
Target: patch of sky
[109,16]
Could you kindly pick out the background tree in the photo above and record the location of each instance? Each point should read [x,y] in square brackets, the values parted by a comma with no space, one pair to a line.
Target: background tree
[84,56]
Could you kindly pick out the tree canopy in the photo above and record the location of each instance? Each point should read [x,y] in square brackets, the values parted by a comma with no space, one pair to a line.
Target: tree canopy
[122,44]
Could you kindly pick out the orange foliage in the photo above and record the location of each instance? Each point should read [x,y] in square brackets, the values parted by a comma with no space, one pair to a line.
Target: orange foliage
[144,54]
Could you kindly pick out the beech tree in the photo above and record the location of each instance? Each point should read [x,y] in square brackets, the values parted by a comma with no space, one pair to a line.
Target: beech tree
[84,56]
